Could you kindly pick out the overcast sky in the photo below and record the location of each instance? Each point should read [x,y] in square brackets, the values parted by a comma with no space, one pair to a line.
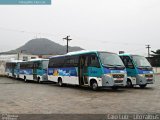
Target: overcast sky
[109,25]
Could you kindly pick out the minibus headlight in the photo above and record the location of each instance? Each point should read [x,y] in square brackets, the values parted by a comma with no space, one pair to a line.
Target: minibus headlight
[108,75]
[141,75]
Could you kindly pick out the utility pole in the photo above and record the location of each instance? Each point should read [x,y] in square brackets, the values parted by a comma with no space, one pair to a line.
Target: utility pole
[20,53]
[148,47]
[67,38]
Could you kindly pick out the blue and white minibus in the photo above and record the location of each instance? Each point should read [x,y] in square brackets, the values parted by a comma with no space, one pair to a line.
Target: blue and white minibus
[88,68]
[12,68]
[35,70]
[139,70]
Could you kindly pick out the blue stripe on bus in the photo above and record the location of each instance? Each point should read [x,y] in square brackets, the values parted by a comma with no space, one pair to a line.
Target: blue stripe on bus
[106,71]
[144,71]
[26,71]
[72,71]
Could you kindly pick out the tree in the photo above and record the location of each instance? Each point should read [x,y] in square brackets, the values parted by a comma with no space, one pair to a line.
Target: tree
[157,52]
[155,59]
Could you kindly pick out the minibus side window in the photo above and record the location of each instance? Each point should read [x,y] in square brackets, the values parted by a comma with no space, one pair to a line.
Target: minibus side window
[94,61]
[127,62]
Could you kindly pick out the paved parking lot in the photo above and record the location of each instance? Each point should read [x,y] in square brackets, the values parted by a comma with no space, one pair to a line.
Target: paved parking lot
[19,97]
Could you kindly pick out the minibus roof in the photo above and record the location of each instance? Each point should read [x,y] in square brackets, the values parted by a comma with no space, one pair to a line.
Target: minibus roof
[79,53]
[38,59]
[15,61]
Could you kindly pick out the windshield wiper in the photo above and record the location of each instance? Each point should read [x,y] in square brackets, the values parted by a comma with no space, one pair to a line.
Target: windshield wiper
[114,66]
[143,66]
[119,65]
[147,66]
[109,65]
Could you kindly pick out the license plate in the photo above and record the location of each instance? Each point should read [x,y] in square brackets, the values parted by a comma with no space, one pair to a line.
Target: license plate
[149,78]
[118,78]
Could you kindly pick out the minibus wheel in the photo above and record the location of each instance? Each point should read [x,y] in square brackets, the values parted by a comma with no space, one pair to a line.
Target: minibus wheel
[129,84]
[143,86]
[60,82]
[94,86]
[38,80]
[25,80]
[15,77]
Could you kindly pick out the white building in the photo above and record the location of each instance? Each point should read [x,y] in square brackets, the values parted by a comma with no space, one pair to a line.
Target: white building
[20,56]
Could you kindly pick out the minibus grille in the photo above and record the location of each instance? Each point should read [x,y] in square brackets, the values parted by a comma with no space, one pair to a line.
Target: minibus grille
[118,81]
[118,75]
[149,75]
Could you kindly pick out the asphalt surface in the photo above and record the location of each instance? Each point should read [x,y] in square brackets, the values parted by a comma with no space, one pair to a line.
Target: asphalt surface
[18,97]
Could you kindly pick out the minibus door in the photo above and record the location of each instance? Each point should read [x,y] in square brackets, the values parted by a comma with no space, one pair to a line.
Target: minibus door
[13,67]
[34,71]
[14,70]
[83,70]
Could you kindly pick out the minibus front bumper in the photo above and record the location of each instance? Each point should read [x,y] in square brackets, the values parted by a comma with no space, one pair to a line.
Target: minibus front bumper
[143,79]
[114,80]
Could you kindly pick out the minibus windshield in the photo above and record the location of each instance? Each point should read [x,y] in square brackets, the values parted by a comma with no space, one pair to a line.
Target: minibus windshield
[110,59]
[141,61]
[45,64]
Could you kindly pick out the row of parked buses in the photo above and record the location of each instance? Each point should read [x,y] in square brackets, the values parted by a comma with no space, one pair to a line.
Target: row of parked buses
[96,69]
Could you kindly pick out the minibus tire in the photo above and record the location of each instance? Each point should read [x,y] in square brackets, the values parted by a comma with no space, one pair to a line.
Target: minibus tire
[94,86]
[15,77]
[129,84]
[38,80]
[143,86]
[60,83]
[25,80]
